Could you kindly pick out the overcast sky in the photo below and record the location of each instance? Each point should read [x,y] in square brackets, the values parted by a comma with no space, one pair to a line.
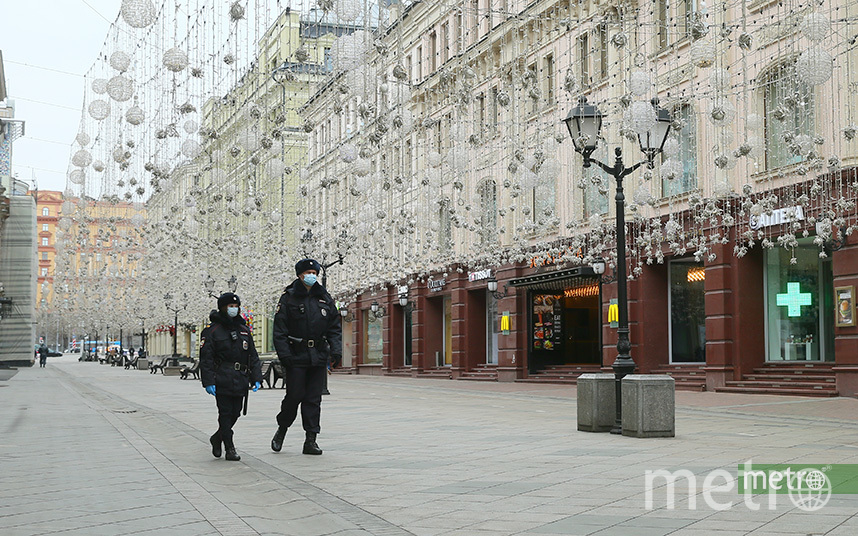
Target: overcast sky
[39,38]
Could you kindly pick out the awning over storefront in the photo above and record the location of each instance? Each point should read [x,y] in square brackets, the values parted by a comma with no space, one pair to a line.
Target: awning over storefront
[558,280]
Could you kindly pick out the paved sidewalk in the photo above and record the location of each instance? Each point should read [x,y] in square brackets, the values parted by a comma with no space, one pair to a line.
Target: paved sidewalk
[90,449]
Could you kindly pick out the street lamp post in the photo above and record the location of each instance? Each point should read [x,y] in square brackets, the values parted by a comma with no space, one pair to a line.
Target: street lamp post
[585,123]
[168,300]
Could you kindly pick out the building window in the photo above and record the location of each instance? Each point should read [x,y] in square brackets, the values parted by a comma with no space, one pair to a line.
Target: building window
[45,227]
[493,112]
[445,228]
[533,91]
[373,346]
[460,33]
[584,60]
[796,119]
[433,52]
[597,185]
[687,138]
[488,212]
[799,304]
[419,63]
[46,211]
[548,77]
[687,312]
[445,42]
[329,60]
[481,114]
[44,272]
[600,54]
[674,14]
[45,241]
[44,255]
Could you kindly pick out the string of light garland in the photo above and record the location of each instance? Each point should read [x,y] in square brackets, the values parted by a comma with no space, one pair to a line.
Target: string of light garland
[223,138]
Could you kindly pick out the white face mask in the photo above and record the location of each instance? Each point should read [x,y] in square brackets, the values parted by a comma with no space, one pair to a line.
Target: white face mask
[232,311]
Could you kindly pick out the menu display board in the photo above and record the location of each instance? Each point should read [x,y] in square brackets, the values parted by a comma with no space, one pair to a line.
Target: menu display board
[547,331]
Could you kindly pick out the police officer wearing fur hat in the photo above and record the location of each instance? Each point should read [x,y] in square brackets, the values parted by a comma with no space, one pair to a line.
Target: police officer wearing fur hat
[229,364]
[307,336]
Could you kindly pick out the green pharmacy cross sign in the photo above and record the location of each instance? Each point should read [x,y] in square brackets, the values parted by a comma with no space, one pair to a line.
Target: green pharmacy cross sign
[793,299]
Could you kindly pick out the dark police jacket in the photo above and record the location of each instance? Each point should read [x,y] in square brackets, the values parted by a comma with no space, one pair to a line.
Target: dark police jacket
[307,327]
[228,358]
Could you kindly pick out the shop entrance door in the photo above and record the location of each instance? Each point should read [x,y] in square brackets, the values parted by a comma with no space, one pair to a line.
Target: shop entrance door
[491,329]
[406,329]
[581,326]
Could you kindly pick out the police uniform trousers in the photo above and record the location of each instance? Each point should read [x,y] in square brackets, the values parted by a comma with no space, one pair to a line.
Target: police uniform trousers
[304,386]
[228,410]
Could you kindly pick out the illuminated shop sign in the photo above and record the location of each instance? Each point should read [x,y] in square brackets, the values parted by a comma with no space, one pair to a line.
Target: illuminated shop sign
[793,299]
[777,217]
[436,284]
[482,274]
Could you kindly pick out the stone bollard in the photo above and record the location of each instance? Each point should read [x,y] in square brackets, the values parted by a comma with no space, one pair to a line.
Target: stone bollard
[142,364]
[597,402]
[649,406]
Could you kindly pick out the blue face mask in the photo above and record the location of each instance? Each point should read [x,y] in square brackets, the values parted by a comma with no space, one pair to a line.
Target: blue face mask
[232,311]
[309,279]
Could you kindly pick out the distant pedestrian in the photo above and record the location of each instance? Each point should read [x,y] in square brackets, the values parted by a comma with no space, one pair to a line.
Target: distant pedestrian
[43,355]
[229,364]
[308,337]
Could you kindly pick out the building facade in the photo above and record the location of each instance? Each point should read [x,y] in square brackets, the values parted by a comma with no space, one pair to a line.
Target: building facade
[445,163]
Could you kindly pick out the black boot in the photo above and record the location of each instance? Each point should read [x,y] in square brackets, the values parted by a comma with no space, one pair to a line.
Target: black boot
[277,440]
[310,446]
[215,441]
[232,455]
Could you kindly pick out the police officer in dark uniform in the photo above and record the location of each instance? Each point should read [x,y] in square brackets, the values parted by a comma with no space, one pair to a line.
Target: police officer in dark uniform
[307,336]
[228,365]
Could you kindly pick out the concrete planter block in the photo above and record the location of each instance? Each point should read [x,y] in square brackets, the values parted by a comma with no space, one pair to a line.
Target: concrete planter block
[143,364]
[649,406]
[597,402]
[172,371]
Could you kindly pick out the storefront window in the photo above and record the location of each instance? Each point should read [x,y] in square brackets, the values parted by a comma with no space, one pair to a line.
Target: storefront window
[687,312]
[492,326]
[799,305]
[373,349]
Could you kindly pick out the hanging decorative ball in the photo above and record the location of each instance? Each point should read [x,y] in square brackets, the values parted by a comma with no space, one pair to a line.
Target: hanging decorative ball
[236,12]
[274,168]
[248,139]
[65,223]
[138,13]
[754,122]
[814,66]
[229,59]
[120,61]
[640,117]
[642,195]
[99,109]
[722,189]
[399,72]
[719,79]
[671,169]
[120,88]
[503,98]
[620,40]
[671,147]
[191,148]
[134,115]
[190,126]
[77,176]
[549,170]
[849,132]
[348,10]
[275,216]
[745,41]
[815,26]
[362,167]
[99,86]
[639,83]
[703,53]
[175,60]
[721,111]
[434,159]
[349,50]
[302,54]
[348,153]
[82,138]
[98,166]
[67,207]
[82,158]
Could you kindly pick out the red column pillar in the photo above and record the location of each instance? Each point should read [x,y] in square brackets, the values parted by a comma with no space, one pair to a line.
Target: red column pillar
[845,267]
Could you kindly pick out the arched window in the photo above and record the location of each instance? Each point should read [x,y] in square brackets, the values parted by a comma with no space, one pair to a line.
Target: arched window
[597,185]
[46,211]
[789,113]
[687,137]
[488,211]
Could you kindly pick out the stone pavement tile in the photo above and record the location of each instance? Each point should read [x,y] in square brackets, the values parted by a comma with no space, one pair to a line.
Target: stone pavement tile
[738,527]
[627,529]
[570,526]
[813,521]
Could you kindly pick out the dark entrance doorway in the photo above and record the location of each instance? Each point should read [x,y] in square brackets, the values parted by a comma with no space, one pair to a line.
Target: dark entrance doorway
[565,327]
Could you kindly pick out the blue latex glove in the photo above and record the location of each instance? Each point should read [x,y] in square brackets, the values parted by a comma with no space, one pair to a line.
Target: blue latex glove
[256,386]
[210,389]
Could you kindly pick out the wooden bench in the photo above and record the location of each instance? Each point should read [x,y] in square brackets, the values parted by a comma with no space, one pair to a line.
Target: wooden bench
[131,363]
[193,370]
[155,367]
